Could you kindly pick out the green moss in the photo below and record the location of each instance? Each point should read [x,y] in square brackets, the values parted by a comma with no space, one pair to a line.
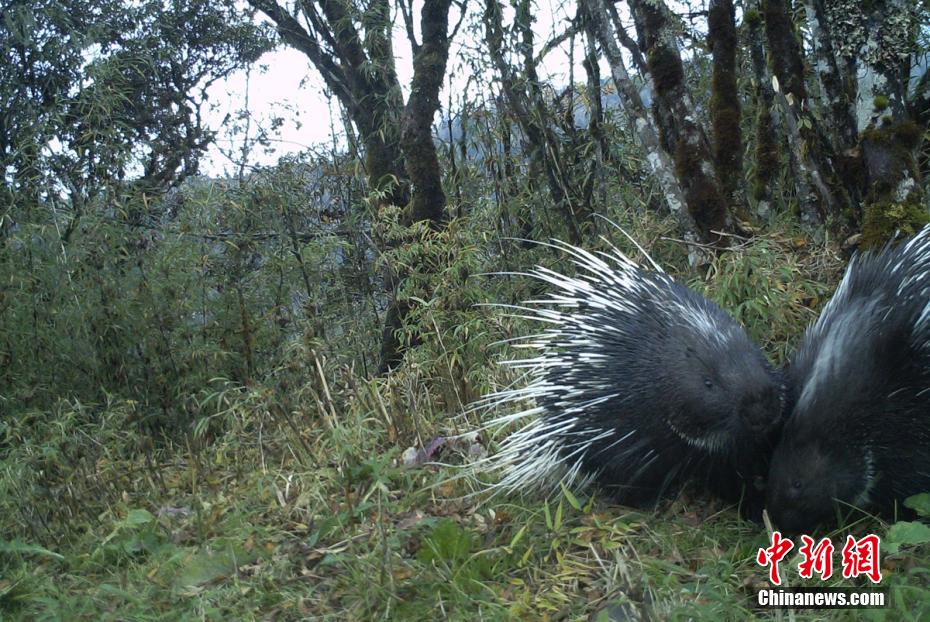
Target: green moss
[752,17]
[655,23]
[881,135]
[687,161]
[766,154]
[702,194]
[880,102]
[908,134]
[727,139]
[902,135]
[881,220]
[784,49]
[888,162]
[665,68]
[724,102]
[851,168]
[849,165]
[720,26]
[898,141]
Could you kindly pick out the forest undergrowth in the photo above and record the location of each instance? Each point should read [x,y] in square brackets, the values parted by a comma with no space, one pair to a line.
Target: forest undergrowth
[283,480]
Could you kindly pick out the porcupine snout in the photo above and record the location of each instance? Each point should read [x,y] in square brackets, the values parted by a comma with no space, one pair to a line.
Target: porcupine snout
[760,410]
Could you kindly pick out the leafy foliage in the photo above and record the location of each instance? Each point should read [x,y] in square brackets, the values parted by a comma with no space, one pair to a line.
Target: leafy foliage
[98,92]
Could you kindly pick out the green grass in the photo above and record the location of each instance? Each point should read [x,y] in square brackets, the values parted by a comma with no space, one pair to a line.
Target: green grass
[292,500]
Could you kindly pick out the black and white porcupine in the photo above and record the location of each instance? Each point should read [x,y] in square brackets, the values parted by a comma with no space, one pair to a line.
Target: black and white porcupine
[639,385]
[858,434]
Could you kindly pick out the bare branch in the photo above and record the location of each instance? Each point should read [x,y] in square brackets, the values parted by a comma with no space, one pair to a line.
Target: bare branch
[406,10]
[627,41]
[573,29]
[462,12]
[296,35]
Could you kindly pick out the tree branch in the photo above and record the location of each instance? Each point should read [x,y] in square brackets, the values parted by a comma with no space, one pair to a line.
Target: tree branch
[296,36]
[627,41]
[406,10]
[573,29]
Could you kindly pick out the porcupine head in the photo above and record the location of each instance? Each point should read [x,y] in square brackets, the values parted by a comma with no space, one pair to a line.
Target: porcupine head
[687,396]
[725,400]
[853,436]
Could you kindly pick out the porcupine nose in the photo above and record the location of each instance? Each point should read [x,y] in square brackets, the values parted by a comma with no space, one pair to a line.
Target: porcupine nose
[758,412]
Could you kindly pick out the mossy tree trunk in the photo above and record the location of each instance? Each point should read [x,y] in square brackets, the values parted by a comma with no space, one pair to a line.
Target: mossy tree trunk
[357,63]
[679,128]
[766,155]
[596,173]
[429,70]
[660,164]
[352,49]
[837,88]
[422,164]
[894,200]
[878,40]
[784,48]
[813,171]
[724,102]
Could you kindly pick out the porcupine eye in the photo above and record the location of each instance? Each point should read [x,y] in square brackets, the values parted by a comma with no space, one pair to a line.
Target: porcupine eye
[796,484]
[708,383]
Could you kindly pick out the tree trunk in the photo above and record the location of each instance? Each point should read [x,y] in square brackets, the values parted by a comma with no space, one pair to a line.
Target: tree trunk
[766,156]
[878,40]
[371,98]
[360,71]
[889,135]
[681,133]
[635,111]
[836,88]
[530,111]
[784,49]
[596,172]
[422,164]
[724,102]
[894,202]
[812,167]
[429,69]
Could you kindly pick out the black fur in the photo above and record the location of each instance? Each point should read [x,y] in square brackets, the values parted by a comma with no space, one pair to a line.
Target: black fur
[859,432]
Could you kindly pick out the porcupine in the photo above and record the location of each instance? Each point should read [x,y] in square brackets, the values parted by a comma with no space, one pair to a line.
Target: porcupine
[859,433]
[640,386]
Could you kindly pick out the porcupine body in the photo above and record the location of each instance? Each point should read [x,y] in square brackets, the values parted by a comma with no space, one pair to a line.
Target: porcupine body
[858,435]
[640,385]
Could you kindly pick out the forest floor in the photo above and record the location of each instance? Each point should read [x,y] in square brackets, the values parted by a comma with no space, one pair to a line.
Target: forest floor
[271,511]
